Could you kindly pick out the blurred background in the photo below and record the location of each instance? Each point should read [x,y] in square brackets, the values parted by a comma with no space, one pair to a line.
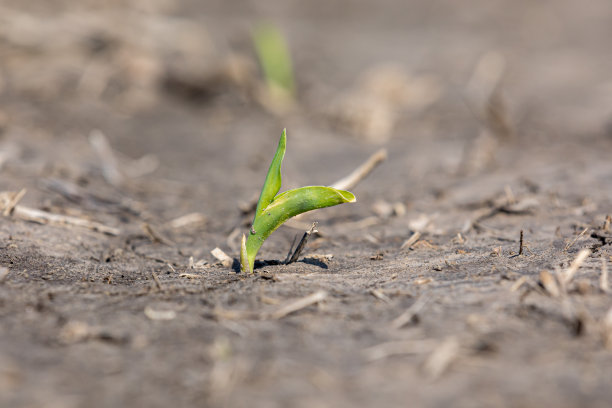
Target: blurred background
[189,79]
[369,69]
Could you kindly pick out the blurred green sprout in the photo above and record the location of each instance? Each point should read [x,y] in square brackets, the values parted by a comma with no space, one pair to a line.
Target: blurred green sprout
[274,58]
[274,209]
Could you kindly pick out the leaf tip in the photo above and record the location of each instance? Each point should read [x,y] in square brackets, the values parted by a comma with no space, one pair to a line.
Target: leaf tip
[347,196]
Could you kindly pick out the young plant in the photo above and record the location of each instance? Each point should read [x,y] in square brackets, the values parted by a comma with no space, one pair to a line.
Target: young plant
[273,54]
[273,210]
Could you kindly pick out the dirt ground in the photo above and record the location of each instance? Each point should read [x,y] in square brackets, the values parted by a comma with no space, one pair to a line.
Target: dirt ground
[148,123]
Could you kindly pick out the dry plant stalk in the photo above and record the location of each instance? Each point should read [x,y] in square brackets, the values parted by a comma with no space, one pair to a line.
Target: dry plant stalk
[412,240]
[573,268]
[9,207]
[569,245]
[12,201]
[361,172]
[411,315]
[225,314]
[297,305]
[379,294]
[157,281]
[154,235]
[183,221]
[549,282]
[43,217]
[301,245]
[398,348]
[441,358]
[519,282]
[222,257]
[604,282]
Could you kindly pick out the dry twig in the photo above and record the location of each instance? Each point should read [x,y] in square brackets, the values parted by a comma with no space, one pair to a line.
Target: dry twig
[297,305]
[522,206]
[519,282]
[379,294]
[569,245]
[225,314]
[411,315]
[361,172]
[155,236]
[43,217]
[301,245]
[157,281]
[395,348]
[549,282]
[12,201]
[222,257]
[183,221]
[573,268]
[412,240]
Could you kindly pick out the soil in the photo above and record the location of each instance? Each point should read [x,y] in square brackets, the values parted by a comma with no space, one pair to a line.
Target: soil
[496,119]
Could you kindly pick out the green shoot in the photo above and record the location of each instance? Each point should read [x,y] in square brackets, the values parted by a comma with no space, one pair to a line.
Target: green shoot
[273,54]
[274,209]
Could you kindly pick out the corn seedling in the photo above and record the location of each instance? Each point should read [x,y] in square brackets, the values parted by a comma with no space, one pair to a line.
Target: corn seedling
[274,209]
[273,55]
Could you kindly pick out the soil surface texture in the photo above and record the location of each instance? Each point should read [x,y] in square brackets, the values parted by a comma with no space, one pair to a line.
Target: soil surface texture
[471,272]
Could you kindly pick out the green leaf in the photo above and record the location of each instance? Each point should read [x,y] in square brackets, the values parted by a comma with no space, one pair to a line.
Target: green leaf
[273,180]
[273,54]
